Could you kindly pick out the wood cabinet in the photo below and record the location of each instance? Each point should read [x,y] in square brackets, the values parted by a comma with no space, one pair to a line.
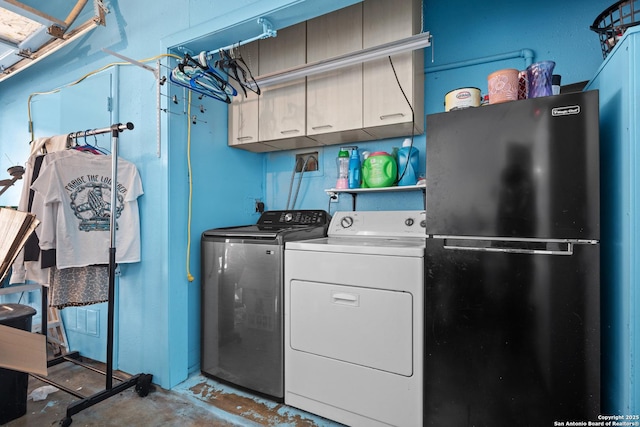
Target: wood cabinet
[334,98]
[243,110]
[282,107]
[386,111]
[362,102]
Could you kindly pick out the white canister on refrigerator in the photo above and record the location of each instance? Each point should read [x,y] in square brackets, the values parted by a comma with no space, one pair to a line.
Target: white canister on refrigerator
[462,98]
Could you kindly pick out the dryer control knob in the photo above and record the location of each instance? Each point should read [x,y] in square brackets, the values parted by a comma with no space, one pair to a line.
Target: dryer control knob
[408,222]
[346,222]
[288,217]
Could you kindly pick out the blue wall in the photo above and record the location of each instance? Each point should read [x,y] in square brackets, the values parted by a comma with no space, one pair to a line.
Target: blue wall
[158,306]
[464,32]
[158,313]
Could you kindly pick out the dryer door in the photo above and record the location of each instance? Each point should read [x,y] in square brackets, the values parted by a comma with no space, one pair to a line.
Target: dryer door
[367,327]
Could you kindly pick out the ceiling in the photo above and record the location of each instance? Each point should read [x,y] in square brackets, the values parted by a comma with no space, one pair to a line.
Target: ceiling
[28,34]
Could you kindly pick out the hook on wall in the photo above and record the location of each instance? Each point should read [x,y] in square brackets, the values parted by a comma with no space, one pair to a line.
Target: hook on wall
[176,100]
[195,120]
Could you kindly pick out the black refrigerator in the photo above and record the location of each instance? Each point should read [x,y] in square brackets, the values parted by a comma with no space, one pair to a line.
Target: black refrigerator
[512,264]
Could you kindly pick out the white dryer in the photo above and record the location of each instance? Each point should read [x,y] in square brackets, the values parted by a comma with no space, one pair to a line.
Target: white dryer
[354,315]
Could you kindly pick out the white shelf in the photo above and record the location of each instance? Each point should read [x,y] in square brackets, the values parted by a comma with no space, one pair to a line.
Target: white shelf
[332,191]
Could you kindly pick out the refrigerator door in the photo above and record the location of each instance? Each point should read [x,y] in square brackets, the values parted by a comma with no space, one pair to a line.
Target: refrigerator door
[524,169]
[512,338]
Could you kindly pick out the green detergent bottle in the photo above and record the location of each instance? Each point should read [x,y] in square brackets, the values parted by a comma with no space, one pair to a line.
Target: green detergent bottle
[379,170]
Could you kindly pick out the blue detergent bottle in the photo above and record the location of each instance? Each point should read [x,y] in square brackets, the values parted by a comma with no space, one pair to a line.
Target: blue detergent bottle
[355,169]
[408,157]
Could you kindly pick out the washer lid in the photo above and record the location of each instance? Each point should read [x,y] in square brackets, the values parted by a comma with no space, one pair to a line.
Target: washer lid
[278,225]
[247,231]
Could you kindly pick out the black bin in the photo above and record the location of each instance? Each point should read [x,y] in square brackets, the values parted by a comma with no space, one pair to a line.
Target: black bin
[14,384]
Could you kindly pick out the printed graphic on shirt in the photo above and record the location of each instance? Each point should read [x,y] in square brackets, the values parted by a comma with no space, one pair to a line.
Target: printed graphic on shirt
[91,201]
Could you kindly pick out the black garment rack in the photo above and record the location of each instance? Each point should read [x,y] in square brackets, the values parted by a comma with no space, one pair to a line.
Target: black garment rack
[142,382]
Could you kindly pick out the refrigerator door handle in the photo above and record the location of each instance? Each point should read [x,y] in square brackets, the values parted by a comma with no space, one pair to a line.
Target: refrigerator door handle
[568,250]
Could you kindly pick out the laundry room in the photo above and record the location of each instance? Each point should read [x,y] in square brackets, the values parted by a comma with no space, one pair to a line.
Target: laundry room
[398,153]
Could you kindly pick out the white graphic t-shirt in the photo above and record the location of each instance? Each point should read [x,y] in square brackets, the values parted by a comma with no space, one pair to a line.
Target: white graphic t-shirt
[76,191]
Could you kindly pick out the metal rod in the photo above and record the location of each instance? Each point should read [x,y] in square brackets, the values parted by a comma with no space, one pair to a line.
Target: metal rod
[158,109]
[75,361]
[267,31]
[526,251]
[112,252]
[98,397]
[60,386]
[119,127]
[133,61]
[62,359]
[515,239]
[417,41]
[114,129]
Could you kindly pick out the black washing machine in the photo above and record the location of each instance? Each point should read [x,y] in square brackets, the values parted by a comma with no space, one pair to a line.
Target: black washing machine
[242,331]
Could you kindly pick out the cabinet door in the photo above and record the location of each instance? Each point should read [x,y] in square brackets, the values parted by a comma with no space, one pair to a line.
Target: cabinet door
[243,110]
[334,98]
[282,107]
[384,103]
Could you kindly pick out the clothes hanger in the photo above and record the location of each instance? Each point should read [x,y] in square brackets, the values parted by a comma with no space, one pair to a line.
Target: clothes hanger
[97,146]
[88,148]
[231,63]
[203,62]
[196,82]
[202,79]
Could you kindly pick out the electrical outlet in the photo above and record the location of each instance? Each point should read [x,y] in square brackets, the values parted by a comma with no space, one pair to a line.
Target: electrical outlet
[312,161]
[334,198]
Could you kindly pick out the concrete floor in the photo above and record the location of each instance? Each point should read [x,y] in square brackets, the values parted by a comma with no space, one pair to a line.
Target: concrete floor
[199,401]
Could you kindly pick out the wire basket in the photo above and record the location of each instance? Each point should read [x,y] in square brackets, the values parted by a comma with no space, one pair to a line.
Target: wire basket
[612,23]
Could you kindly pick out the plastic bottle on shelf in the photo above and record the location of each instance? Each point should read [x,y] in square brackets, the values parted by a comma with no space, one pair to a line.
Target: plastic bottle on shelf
[365,156]
[408,161]
[355,167]
[342,162]
[379,170]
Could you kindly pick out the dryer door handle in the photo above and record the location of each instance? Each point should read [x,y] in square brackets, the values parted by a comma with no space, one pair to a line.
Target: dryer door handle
[345,298]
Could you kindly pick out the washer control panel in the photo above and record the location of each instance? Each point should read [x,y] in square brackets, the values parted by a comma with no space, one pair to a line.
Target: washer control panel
[293,218]
[379,224]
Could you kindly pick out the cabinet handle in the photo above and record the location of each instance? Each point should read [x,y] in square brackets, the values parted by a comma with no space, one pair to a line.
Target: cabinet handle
[244,138]
[321,127]
[285,132]
[390,116]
